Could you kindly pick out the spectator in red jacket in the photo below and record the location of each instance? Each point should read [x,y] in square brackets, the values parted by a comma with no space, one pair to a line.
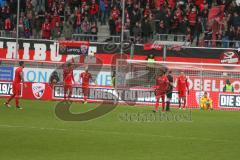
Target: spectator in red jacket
[172,3]
[118,26]
[94,8]
[55,19]
[179,14]
[159,3]
[46,29]
[147,11]
[115,13]
[192,18]
[7,24]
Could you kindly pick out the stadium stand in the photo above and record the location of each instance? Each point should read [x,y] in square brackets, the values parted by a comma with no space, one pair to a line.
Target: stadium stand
[209,23]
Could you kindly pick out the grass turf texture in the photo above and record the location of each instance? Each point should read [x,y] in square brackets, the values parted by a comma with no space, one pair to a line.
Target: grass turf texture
[36,133]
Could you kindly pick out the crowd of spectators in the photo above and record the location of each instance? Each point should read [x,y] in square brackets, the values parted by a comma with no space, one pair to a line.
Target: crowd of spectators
[54,19]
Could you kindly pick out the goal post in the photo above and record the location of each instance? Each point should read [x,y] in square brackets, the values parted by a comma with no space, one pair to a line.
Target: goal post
[139,75]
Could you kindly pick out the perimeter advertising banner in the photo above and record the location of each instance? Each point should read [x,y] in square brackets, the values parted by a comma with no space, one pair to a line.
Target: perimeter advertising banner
[44,50]
[6,89]
[6,73]
[53,51]
[43,91]
[73,47]
[103,78]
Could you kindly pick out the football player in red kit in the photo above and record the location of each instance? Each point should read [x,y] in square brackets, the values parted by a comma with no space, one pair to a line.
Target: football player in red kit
[183,89]
[85,77]
[162,85]
[68,80]
[17,85]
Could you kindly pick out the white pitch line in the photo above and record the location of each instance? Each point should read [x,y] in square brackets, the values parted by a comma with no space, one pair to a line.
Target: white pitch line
[31,127]
[121,133]
[157,135]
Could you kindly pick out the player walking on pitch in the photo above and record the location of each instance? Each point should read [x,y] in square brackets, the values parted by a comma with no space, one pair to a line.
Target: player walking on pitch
[170,89]
[85,77]
[183,89]
[161,87]
[17,85]
[68,80]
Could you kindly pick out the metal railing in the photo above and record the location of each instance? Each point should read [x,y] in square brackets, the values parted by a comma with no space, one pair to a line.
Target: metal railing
[170,37]
[8,34]
[221,44]
[166,38]
[95,38]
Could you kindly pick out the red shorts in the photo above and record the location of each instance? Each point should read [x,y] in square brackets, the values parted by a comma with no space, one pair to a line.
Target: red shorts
[85,90]
[17,89]
[182,93]
[159,92]
[67,87]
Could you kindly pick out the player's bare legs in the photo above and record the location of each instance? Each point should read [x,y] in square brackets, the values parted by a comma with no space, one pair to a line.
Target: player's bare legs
[157,103]
[17,101]
[184,102]
[70,94]
[179,103]
[168,104]
[85,94]
[163,102]
[65,94]
[9,100]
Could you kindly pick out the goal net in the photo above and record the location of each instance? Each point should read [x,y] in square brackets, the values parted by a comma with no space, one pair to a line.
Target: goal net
[138,77]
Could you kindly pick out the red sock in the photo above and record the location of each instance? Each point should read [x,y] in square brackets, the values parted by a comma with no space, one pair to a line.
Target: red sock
[17,101]
[163,103]
[85,94]
[179,103]
[157,104]
[65,94]
[9,100]
[70,95]
[184,103]
[85,98]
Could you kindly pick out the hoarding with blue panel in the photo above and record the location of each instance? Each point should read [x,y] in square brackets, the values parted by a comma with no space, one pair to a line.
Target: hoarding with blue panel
[6,73]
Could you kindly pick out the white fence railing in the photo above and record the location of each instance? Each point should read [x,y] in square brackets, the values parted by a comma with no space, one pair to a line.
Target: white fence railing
[221,44]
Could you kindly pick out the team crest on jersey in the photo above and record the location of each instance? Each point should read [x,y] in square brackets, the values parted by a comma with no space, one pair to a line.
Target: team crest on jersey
[38,90]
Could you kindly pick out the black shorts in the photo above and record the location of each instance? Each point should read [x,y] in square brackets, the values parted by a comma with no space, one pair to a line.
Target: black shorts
[169,95]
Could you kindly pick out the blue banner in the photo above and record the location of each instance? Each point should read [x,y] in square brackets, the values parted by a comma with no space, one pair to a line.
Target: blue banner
[6,73]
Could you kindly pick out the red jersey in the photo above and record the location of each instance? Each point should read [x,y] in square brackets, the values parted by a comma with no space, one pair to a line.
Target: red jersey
[94,9]
[46,30]
[162,85]
[85,78]
[115,14]
[192,18]
[182,83]
[18,77]
[68,76]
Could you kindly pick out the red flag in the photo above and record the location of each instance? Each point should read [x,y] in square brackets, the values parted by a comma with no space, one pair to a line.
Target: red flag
[216,12]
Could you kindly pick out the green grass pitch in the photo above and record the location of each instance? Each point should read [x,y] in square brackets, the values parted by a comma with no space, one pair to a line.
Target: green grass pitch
[35,133]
